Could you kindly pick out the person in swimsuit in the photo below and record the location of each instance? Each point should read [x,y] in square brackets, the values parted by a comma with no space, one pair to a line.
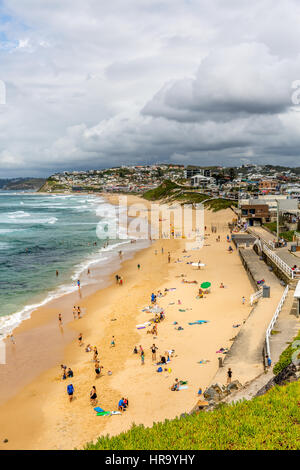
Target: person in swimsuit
[153,350]
[93,396]
[80,339]
[60,319]
[74,312]
[78,312]
[112,343]
[98,368]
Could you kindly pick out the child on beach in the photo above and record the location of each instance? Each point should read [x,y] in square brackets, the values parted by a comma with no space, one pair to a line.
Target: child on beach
[70,391]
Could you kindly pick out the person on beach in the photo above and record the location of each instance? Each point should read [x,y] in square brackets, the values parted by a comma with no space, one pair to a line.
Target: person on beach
[120,280]
[98,368]
[88,272]
[93,396]
[139,266]
[135,351]
[56,273]
[11,337]
[229,375]
[142,358]
[74,312]
[70,373]
[70,391]
[60,319]
[95,354]
[78,312]
[121,405]
[169,258]
[175,386]
[153,350]
[80,339]
[112,343]
[78,283]
[243,300]
[117,278]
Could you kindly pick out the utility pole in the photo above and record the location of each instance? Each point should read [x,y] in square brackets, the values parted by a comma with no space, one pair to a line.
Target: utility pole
[277,221]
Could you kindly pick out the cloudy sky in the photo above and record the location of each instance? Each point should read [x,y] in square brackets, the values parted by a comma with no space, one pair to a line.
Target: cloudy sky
[91,83]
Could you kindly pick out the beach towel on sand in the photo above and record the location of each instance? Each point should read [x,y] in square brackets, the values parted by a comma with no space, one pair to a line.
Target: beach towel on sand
[198,322]
[183,387]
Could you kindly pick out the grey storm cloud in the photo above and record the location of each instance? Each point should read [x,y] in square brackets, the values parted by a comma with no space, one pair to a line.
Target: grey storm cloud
[93,84]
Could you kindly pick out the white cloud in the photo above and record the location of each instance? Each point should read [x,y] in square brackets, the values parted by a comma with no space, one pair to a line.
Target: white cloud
[94,83]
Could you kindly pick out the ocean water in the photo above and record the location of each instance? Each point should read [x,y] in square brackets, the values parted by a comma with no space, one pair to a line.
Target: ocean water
[40,234]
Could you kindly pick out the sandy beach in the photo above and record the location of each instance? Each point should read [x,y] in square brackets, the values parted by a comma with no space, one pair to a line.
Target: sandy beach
[38,415]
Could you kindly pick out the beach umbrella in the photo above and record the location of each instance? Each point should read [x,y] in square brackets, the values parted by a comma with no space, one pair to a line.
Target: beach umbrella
[205,285]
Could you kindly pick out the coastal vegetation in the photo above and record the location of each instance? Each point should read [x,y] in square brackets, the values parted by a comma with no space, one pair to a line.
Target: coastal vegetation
[268,422]
[286,356]
[169,192]
[287,235]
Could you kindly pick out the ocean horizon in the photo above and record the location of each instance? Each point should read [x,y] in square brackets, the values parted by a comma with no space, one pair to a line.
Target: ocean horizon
[39,235]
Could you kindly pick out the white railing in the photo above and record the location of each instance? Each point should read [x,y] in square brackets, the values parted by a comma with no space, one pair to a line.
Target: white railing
[274,319]
[256,296]
[278,261]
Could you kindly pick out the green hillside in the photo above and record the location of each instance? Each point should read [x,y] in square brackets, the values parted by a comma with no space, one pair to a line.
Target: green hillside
[268,422]
[170,192]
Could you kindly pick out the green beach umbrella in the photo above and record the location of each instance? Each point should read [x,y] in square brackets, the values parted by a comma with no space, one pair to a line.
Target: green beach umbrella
[205,285]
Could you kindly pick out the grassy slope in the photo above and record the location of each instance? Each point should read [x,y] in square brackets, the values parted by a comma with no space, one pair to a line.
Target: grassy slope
[267,422]
[286,356]
[288,236]
[171,192]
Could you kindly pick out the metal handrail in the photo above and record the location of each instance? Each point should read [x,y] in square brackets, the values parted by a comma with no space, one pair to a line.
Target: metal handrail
[277,260]
[274,319]
[254,297]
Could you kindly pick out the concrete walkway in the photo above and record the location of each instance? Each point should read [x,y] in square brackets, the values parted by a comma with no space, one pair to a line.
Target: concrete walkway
[287,327]
[284,253]
[245,356]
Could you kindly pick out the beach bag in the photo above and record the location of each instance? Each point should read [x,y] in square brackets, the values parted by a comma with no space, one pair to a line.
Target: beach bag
[159,369]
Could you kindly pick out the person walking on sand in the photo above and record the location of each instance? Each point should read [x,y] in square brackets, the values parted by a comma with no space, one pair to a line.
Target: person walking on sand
[60,319]
[229,375]
[93,396]
[120,280]
[74,312]
[70,392]
[112,343]
[78,283]
[153,350]
[78,312]
[142,357]
[80,339]
[243,300]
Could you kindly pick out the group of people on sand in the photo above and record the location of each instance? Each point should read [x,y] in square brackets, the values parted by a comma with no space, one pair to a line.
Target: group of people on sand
[76,312]
[66,372]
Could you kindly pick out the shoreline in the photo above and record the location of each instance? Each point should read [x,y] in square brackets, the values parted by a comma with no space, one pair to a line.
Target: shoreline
[82,425]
